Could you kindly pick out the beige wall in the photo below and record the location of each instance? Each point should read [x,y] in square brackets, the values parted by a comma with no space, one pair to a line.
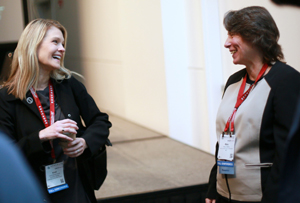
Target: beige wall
[120,52]
[11,13]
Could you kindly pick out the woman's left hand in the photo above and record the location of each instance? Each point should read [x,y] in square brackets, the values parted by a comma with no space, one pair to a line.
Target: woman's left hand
[75,148]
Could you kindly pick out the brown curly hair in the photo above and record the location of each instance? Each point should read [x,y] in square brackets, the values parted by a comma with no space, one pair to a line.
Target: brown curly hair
[256,25]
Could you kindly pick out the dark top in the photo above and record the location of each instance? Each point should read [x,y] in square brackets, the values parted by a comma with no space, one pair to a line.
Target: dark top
[75,193]
[21,121]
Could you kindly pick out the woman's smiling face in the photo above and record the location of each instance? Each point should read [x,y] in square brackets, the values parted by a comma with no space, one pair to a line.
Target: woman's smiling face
[241,50]
[51,50]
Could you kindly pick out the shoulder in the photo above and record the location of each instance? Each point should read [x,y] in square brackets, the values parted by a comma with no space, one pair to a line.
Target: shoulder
[72,82]
[282,73]
[282,69]
[8,102]
[236,77]
[71,85]
[5,96]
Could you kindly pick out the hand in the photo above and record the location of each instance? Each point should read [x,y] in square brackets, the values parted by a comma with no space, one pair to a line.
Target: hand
[57,129]
[207,200]
[75,148]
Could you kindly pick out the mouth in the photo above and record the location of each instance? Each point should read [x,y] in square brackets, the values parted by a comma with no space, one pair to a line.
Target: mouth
[57,57]
[232,52]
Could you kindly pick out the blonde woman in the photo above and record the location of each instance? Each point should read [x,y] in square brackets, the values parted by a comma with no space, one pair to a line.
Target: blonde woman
[41,106]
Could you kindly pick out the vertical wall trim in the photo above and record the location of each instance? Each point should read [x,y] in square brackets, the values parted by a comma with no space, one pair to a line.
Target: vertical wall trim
[174,26]
[213,63]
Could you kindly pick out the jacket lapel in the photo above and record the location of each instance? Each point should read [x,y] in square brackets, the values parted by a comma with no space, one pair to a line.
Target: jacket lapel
[63,97]
[30,103]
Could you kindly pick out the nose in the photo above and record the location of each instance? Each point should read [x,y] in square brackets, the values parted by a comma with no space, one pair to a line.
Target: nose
[61,48]
[227,42]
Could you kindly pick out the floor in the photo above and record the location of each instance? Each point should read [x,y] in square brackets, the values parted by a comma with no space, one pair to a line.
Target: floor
[145,161]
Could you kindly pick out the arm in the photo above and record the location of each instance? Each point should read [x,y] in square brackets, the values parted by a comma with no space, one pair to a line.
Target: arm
[26,129]
[290,176]
[29,144]
[96,122]
[212,184]
[284,106]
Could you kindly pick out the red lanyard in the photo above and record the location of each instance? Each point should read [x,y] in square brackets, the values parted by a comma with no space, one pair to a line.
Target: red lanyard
[242,97]
[41,110]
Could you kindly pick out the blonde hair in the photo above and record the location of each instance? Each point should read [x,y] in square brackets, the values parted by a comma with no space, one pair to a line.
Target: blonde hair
[25,66]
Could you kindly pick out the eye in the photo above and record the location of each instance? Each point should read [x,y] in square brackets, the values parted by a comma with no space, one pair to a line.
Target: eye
[55,41]
[230,34]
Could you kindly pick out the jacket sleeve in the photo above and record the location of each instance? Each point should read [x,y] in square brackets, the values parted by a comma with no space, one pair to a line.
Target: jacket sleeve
[30,144]
[212,184]
[284,106]
[7,112]
[290,176]
[96,122]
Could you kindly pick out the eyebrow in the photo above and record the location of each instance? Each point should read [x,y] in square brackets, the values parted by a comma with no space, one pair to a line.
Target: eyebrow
[56,37]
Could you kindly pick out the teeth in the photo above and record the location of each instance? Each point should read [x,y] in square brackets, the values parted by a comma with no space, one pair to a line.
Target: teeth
[57,57]
[232,52]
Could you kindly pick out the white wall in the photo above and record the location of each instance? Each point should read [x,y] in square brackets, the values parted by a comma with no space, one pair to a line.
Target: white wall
[185,72]
[193,70]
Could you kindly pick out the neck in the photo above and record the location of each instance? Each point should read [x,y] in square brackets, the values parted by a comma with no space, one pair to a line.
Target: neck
[253,70]
[43,80]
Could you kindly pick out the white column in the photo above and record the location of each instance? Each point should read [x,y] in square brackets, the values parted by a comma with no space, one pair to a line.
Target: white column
[213,63]
[176,65]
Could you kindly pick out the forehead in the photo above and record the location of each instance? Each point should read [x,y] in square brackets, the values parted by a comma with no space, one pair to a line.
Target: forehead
[54,32]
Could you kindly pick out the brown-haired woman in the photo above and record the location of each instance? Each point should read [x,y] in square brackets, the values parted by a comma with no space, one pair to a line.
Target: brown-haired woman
[256,111]
[41,106]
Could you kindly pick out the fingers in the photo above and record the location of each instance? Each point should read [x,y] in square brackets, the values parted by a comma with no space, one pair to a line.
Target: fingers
[63,129]
[71,132]
[67,125]
[74,154]
[64,137]
[75,148]
[207,200]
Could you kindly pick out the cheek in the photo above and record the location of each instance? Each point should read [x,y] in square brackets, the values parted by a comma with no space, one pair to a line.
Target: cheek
[42,56]
[39,55]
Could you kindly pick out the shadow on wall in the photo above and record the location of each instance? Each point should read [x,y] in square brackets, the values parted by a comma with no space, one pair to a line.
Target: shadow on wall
[68,15]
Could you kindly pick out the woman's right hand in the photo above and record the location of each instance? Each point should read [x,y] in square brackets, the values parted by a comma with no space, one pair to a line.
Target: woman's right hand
[207,200]
[57,129]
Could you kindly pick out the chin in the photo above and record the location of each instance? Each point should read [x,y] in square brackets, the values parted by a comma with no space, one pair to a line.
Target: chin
[235,62]
[55,67]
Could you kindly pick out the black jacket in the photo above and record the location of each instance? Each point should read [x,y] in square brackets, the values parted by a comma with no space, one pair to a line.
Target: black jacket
[290,181]
[21,121]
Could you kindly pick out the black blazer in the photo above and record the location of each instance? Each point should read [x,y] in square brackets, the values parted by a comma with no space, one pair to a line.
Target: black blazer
[290,174]
[21,121]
